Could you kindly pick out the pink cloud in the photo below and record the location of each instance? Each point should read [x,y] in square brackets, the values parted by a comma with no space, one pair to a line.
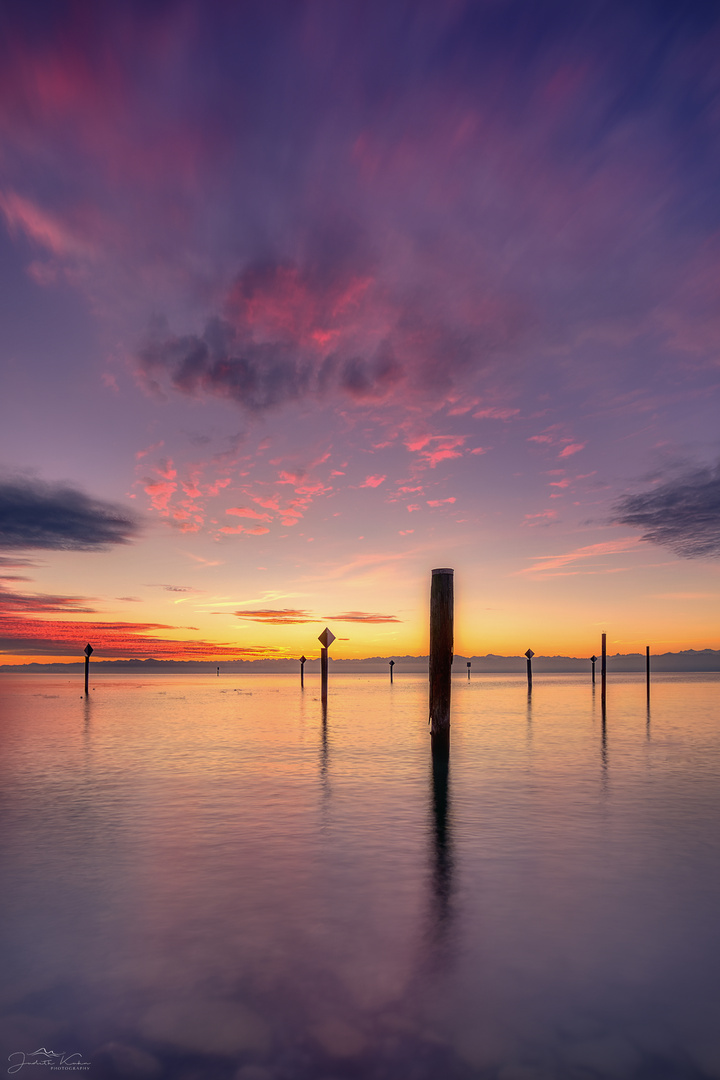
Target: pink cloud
[545,517]
[496,414]
[373,481]
[545,564]
[259,530]
[573,448]
[441,502]
[41,226]
[248,512]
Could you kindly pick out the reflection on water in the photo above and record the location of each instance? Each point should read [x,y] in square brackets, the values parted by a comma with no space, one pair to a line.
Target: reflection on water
[210,878]
[441,847]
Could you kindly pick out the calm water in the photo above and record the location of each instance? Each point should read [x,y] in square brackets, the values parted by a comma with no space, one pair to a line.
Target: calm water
[204,879]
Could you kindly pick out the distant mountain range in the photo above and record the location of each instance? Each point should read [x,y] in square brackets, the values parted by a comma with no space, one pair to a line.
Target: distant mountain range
[688,660]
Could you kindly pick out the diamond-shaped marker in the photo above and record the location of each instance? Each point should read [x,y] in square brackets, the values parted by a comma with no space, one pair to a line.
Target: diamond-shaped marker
[593,658]
[88,649]
[303,659]
[529,654]
[326,638]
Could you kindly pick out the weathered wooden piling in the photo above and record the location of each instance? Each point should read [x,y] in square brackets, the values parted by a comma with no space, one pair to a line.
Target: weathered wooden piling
[441,655]
[392,665]
[468,667]
[647,671]
[529,654]
[302,671]
[593,658]
[603,669]
[326,639]
[88,653]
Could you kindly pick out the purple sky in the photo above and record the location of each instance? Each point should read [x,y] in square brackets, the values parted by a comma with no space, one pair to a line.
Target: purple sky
[326,294]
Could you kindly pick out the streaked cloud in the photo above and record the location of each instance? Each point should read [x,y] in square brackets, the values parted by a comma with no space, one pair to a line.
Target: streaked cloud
[583,560]
[681,513]
[59,517]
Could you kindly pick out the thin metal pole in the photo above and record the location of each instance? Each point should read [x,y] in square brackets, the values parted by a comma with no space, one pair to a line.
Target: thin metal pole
[323,675]
[647,670]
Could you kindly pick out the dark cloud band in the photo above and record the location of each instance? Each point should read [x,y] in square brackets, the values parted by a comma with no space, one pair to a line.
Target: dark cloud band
[60,518]
[682,514]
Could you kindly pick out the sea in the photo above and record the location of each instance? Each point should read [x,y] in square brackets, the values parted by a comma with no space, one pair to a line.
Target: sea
[223,878]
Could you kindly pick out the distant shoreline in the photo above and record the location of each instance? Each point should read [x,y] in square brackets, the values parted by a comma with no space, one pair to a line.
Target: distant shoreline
[699,660]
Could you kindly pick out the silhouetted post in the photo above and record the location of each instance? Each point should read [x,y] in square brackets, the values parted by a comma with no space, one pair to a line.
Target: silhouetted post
[218,671]
[441,655]
[392,665]
[88,654]
[603,669]
[302,672]
[529,654]
[647,670]
[593,658]
[468,665]
[326,639]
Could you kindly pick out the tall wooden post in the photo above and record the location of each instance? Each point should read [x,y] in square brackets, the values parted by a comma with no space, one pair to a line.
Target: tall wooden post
[326,639]
[593,658]
[647,671]
[441,655]
[529,654]
[603,670]
[468,667]
[302,671]
[392,665]
[88,653]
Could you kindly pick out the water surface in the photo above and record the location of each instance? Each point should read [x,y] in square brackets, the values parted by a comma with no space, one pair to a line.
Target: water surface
[211,878]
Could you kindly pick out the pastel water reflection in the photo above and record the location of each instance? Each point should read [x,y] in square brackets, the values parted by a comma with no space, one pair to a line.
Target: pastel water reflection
[217,878]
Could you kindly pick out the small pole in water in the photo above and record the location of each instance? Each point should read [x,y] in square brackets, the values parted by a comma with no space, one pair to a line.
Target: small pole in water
[302,671]
[593,658]
[88,652]
[326,639]
[468,667]
[647,670]
[218,671]
[603,669]
[392,665]
[441,656]
[529,654]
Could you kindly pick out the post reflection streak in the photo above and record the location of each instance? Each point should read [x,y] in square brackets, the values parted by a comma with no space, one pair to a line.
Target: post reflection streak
[442,862]
[324,774]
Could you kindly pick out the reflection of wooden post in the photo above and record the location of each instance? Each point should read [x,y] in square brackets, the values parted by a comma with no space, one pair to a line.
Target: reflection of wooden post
[326,639]
[529,654]
[302,671]
[603,669]
[468,665]
[392,665]
[647,671]
[88,653]
[593,658]
[441,654]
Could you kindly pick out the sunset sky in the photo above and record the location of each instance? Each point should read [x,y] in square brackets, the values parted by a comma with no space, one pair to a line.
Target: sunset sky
[300,300]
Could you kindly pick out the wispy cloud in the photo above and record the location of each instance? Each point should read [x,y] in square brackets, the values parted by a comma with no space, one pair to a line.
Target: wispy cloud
[683,513]
[278,616]
[584,560]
